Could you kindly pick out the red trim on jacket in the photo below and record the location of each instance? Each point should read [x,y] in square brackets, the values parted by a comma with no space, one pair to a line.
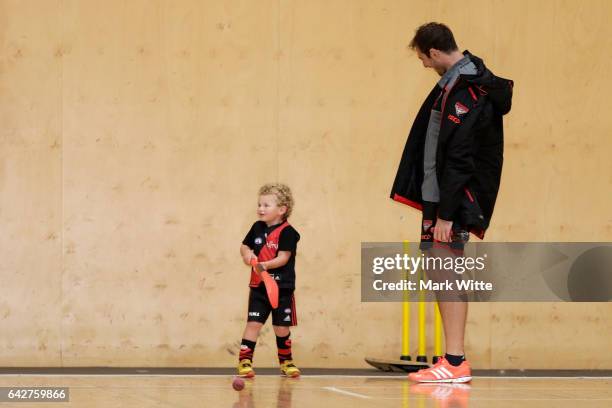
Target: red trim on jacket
[469,194]
[478,232]
[481,90]
[472,93]
[404,200]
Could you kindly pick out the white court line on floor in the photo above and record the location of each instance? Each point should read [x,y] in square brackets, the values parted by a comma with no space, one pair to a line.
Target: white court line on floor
[352,394]
[471,399]
[546,377]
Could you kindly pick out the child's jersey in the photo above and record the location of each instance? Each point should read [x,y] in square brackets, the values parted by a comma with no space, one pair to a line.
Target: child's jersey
[259,235]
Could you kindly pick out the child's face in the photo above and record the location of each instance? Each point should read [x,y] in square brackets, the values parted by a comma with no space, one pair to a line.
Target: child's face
[268,209]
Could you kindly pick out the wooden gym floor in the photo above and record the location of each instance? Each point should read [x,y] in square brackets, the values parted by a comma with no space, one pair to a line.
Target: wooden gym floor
[271,390]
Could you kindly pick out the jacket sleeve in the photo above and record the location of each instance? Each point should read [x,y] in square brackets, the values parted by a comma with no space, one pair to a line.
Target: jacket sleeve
[458,167]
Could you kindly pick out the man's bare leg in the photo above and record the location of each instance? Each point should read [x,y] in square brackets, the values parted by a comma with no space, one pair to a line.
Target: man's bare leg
[454,316]
[453,306]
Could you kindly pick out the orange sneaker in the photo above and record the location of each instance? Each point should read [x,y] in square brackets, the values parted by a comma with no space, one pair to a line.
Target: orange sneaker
[443,372]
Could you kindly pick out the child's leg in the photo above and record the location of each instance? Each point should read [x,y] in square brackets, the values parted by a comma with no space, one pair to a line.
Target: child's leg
[283,343]
[251,331]
[259,310]
[281,331]
[283,319]
[258,313]
[249,340]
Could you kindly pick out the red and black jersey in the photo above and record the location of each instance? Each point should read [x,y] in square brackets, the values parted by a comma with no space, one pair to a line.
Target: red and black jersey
[266,241]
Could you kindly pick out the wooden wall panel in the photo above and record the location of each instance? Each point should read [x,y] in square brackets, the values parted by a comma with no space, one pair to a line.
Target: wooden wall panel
[30,184]
[136,134]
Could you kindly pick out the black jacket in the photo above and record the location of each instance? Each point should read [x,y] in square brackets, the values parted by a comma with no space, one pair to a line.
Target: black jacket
[470,149]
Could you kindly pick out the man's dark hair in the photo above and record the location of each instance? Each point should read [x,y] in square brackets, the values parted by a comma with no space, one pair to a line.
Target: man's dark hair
[433,35]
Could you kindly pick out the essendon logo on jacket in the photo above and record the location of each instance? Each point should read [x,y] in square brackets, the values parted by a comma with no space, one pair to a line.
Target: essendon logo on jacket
[461,109]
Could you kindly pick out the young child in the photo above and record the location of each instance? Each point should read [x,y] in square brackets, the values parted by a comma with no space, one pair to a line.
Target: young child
[280,238]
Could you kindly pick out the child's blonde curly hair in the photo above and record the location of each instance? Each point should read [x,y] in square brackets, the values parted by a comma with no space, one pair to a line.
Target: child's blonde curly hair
[283,195]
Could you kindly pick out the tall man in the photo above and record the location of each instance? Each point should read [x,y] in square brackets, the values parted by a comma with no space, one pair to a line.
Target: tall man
[451,167]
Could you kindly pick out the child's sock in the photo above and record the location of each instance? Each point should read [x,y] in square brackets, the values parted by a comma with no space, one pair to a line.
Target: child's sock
[247,348]
[284,348]
[453,360]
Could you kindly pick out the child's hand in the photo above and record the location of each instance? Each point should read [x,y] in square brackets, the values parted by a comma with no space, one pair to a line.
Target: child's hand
[247,258]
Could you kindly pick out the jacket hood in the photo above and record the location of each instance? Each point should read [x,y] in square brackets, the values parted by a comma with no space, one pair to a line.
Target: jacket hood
[497,89]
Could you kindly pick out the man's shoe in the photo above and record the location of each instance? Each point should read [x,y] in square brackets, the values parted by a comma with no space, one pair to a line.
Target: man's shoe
[443,372]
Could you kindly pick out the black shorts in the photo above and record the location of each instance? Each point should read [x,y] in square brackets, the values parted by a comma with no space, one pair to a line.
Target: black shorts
[260,308]
[459,236]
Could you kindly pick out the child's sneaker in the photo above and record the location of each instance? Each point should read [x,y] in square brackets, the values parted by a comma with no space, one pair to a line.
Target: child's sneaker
[443,372]
[245,368]
[289,369]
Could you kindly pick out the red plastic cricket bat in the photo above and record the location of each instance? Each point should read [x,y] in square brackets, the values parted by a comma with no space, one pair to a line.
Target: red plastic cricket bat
[269,283]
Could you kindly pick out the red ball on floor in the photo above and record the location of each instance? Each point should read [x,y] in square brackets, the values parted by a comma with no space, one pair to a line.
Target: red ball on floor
[238,383]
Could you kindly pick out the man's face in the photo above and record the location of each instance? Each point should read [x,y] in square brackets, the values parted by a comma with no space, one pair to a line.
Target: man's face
[433,61]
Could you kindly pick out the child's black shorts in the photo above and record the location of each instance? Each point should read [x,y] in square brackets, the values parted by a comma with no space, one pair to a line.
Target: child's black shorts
[260,308]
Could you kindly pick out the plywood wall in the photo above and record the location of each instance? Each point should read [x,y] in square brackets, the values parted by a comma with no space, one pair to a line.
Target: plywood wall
[135,135]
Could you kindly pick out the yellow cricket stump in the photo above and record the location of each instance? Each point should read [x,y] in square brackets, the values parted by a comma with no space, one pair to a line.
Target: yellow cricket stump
[422,350]
[406,318]
[437,333]
[422,316]
[402,364]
